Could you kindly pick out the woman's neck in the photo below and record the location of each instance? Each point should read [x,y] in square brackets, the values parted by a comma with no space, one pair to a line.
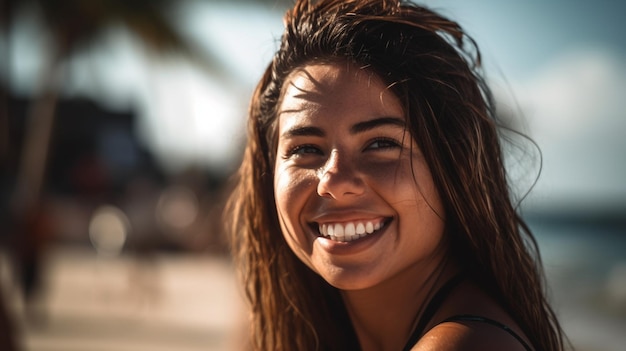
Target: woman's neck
[385,315]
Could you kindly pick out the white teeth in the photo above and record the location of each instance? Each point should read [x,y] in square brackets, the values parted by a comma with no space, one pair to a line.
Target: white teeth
[360,229]
[350,231]
[339,230]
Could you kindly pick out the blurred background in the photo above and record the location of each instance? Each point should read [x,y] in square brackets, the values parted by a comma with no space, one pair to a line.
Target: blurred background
[122,120]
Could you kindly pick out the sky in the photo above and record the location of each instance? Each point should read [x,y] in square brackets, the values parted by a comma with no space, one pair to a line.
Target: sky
[559,66]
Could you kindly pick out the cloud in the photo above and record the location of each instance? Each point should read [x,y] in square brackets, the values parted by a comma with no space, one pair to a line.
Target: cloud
[576,94]
[575,109]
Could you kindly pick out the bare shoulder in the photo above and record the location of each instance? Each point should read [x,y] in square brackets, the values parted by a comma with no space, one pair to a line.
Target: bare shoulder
[485,325]
[468,336]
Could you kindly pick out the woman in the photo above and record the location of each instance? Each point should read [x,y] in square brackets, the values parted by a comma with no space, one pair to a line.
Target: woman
[372,210]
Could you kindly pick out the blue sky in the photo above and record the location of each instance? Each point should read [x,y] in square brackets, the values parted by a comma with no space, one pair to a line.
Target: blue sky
[560,65]
[523,35]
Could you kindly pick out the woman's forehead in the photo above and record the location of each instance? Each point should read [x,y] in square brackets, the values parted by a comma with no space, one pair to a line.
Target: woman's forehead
[334,87]
[319,76]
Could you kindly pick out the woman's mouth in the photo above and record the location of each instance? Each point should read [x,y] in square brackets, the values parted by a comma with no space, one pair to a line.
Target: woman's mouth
[349,231]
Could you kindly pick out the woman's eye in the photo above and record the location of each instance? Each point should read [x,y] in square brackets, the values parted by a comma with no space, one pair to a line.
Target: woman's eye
[383,143]
[302,150]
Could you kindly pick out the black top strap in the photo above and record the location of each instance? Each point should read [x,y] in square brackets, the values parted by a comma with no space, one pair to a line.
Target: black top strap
[431,309]
[436,302]
[474,318]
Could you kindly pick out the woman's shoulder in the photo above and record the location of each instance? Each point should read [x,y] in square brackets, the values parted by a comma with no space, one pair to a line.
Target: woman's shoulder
[470,332]
[471,320]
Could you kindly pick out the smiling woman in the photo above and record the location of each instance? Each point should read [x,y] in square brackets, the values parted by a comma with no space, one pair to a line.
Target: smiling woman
[372,210]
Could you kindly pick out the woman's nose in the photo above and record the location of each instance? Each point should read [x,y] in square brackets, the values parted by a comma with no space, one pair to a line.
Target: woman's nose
[339,177]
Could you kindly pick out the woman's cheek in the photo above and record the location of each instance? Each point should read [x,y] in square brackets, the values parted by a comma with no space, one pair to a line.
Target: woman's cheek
[387,171]
[292,191]
[290,186]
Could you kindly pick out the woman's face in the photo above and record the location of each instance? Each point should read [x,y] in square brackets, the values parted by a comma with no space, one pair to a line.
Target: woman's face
[355,198]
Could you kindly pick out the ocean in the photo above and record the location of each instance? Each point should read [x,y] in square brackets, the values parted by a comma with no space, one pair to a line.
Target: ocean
[585,263]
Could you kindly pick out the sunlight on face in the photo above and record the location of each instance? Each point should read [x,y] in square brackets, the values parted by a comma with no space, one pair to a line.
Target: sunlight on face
[355,198]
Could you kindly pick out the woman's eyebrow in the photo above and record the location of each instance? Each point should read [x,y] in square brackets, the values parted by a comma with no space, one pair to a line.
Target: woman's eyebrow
[377,122]
[303,131]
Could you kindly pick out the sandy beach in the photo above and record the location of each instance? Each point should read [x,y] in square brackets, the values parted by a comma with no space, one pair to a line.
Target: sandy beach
[192,302]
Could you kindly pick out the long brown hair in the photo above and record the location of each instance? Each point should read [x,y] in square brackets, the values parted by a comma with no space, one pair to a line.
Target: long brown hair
[434,68]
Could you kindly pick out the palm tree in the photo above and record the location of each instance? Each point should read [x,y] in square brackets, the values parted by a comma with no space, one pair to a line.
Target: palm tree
[73,25]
